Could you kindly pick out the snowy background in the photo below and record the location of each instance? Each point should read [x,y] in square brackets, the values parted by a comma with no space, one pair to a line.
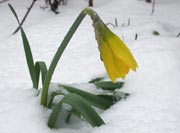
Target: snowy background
[154,103]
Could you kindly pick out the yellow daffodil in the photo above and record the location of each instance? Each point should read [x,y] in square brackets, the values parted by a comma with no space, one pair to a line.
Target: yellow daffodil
[116,57]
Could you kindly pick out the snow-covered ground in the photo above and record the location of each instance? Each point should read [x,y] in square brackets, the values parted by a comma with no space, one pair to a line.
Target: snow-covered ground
[154,103]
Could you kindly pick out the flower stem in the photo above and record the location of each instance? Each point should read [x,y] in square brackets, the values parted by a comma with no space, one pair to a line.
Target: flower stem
[57,56]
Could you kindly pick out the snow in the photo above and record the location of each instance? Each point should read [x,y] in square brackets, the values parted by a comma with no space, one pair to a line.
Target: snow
[154,103]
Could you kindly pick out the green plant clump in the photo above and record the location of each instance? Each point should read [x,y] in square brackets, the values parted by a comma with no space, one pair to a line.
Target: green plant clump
[82,103]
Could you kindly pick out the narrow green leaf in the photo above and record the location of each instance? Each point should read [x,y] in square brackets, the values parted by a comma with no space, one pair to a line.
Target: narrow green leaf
[40,66]
[109,97]
[114,97]
[28,53]
[94,100]
[54,114]
[14,13]
[29,58]
[81,106]
[53,94]
[96,79]
[108,85]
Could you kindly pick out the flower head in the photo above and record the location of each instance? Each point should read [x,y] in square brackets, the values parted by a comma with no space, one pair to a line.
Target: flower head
[116,57]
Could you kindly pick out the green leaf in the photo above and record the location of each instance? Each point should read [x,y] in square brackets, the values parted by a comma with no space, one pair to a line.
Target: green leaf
[109,97]
[117,96]
[29,59]
[54,114]
[80,105]
[94,100]
[53,94]
[40,66]
[108,85]
[96,79]
[14,13]
[28,53]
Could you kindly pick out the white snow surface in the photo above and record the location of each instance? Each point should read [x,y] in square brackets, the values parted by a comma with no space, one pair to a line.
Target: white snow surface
[154,103]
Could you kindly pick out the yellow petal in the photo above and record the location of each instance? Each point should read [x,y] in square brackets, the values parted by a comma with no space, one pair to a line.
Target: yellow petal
[108,61]
[120,49]
[115,67]
[121,66]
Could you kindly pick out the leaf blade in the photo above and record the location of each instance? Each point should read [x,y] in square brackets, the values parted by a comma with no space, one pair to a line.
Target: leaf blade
[108,85]
[14,13]
[29,58]
[80,105]
[91,98]
[40,67]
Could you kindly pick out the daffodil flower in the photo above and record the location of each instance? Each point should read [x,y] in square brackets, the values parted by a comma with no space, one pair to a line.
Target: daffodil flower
[116,57]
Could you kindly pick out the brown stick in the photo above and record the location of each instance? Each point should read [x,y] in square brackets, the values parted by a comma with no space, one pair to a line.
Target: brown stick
[3,1]
[24,17]
[149,1]
[91,3]
[153,6]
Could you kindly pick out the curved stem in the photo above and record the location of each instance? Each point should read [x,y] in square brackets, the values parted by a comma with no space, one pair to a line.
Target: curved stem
[58,55]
